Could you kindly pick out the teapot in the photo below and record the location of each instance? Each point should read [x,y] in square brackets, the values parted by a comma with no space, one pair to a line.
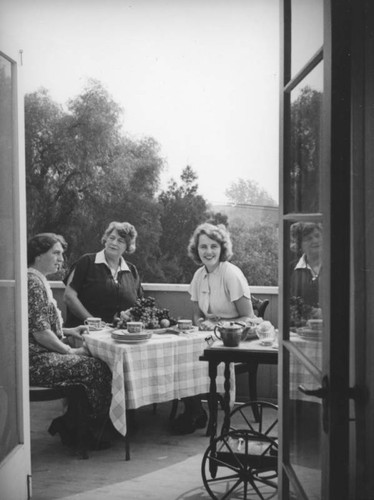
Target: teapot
[230,332]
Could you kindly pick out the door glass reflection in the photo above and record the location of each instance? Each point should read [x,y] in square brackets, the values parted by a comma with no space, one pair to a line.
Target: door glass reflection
[9,429]
[305,430]
[304,172]
[306,282]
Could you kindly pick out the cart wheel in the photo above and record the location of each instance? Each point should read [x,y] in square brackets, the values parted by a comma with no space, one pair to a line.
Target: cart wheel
[242,418]
[240,465]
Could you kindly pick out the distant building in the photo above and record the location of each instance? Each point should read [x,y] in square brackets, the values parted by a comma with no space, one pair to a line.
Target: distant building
[250,214]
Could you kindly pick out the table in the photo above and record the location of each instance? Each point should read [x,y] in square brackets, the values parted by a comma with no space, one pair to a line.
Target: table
[251,352]
[299,373]
[164,368]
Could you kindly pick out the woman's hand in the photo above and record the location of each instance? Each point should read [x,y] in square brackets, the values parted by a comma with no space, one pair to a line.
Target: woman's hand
[76,332]
[207,325]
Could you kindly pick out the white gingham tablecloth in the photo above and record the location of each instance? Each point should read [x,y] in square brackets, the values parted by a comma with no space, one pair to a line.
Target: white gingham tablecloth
[299,375]
[166,367]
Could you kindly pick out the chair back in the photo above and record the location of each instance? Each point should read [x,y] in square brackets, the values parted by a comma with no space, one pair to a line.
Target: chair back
[259,306]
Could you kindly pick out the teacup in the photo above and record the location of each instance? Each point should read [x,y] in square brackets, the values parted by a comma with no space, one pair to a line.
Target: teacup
[94,323]
[230,333]
[134,326]
[184,324]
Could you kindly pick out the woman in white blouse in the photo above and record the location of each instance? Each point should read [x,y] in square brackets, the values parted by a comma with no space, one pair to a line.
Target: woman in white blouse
[219,290]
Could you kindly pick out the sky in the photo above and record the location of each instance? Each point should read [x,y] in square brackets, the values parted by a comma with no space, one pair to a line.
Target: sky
[199,76]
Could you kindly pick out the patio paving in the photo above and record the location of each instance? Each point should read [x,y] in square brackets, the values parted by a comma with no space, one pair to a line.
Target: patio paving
[58,473]
[163,466]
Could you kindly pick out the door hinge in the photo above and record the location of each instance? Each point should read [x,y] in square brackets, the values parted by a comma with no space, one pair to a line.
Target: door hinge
[29,486]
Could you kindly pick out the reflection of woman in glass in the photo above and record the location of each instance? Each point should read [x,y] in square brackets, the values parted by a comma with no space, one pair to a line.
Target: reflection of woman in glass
[306,238]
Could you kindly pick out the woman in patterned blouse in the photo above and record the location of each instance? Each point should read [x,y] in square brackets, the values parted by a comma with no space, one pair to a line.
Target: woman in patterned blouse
[85,381]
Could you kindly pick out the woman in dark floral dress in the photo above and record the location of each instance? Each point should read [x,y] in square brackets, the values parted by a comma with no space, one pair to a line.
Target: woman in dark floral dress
[86,381]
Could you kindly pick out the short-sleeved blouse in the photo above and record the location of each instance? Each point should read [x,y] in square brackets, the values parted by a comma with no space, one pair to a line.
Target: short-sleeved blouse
[216,292]
[101,294]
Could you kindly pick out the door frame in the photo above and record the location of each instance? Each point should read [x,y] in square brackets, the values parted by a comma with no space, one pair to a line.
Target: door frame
[15,469]
[336,213]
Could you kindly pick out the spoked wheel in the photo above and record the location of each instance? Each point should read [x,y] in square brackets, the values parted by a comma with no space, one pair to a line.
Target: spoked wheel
[239,465]
[242,417]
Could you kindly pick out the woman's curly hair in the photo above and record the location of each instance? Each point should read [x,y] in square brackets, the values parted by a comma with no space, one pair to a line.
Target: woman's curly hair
[126,230]
[217,233]
[41,243]
[299,231]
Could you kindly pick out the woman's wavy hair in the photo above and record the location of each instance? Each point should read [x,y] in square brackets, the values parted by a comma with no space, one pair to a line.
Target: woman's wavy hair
[41,243]
[217,233]
[126,230]
[299,231]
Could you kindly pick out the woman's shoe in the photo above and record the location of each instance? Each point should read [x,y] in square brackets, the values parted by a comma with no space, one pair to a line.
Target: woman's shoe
[201,420]
[187,423]
[58,427]
[184,424]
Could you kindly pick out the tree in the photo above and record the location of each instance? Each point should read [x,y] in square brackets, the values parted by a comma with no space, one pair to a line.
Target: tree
[183,210]
[82,172]
[249,192]
[305,151]
[256,252]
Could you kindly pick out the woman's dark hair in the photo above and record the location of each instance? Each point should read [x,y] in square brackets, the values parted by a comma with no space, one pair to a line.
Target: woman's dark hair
[41,243]
[217,233]
[126,231]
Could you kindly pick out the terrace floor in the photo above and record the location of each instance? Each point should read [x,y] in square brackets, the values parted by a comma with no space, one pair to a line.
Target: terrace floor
[163,466]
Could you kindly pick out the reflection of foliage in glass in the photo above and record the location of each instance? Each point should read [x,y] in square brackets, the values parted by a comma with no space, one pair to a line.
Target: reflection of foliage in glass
[299,311]
[305,150]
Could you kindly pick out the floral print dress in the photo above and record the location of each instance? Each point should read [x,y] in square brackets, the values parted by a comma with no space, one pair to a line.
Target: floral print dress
[62,371]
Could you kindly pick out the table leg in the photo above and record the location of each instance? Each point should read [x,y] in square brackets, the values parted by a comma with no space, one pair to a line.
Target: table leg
[213,410]
[252,387]
[226,399]
[212,401]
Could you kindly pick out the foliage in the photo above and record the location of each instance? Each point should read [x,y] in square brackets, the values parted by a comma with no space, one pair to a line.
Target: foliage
[256,252]
[249,192]
[183,210]
[82,173]
[305,150]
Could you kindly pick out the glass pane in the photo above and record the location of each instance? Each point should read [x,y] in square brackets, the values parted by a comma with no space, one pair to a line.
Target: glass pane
[306,282]
[306,114]
[8,394]
[305,431]
[7,244]
[307,31]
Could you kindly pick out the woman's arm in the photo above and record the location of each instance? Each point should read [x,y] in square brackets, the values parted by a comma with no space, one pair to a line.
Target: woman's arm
[73,303]
[199,319]
[198,316]
[244,308]
[50,341]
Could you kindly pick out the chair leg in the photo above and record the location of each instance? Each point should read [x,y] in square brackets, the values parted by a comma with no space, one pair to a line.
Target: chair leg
[174,409]
[127,448]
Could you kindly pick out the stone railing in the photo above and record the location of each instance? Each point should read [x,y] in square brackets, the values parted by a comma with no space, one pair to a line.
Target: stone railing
[176,298]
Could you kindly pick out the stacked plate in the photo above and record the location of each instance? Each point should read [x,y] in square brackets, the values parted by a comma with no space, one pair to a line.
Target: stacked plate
[131,338]
[309,333]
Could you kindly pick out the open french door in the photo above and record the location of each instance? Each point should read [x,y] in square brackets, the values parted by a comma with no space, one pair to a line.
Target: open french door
[15,463]
[315,193]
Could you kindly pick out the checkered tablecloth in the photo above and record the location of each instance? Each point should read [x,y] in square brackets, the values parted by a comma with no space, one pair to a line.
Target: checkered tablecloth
[299,375]
[166,367]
